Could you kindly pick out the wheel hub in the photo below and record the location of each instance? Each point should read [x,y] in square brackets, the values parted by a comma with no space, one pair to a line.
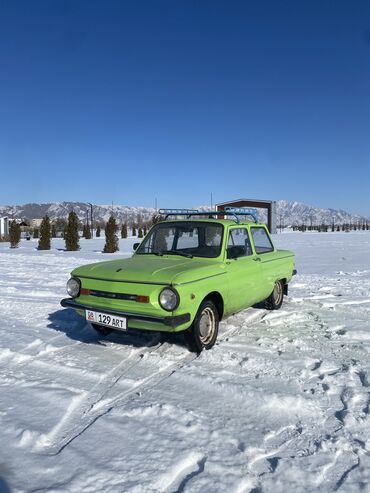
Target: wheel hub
[206,325]
[278,292]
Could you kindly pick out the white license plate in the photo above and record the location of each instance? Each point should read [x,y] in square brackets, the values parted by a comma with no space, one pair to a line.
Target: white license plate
[113,321]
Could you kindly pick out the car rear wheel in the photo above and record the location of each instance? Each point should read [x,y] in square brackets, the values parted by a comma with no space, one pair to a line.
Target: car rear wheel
[275,300]
[101,330]
[203,333]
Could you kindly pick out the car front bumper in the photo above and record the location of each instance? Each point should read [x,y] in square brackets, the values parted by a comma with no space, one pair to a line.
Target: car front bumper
[168,321]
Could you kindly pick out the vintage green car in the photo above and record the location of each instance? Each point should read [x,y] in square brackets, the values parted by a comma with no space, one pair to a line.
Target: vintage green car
[186,275]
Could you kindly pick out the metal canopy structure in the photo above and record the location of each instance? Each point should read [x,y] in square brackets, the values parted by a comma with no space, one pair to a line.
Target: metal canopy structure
[269,205]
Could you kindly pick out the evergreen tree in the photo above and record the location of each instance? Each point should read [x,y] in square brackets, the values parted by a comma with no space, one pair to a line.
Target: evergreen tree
[35,232]
[111,239]
[86,232]
[133,230]
[145,230]
[124,230]
[156,218]
[60,224]
[98,231]
[71,236]
[140,233]
[14,234]
[53,231]
[45,234]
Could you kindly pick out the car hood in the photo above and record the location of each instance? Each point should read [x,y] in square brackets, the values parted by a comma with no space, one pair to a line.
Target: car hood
[151,269]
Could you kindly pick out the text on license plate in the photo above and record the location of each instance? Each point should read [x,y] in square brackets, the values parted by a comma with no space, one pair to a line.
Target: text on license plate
[106,319]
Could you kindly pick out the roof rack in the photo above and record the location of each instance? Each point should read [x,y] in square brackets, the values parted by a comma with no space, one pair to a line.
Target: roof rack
[229,211]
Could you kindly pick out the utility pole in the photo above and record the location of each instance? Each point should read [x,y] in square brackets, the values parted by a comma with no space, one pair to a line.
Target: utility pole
[155,204]
[91,217]
[211,201]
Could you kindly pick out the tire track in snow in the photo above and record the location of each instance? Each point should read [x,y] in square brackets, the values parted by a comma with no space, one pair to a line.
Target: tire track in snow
[85,409]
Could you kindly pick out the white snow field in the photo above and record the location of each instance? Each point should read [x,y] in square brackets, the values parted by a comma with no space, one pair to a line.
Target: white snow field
[280,404]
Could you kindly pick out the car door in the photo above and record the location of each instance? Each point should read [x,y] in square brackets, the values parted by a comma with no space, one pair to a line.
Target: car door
[242,269]
[265,253]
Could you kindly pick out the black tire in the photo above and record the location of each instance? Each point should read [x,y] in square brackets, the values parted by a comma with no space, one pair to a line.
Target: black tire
[276,298]
[204,330]
[101,330]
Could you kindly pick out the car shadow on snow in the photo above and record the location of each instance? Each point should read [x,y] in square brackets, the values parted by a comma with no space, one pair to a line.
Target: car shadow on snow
[260,306]
[4,487]
[77,328]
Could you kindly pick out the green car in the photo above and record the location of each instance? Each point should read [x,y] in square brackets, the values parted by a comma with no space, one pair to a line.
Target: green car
[185,276]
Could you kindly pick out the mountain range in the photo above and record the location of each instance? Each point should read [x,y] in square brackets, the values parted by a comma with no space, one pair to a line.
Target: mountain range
[288,213]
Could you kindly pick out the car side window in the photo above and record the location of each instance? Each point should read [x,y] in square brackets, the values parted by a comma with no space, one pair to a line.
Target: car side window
[261,240]
[239,244]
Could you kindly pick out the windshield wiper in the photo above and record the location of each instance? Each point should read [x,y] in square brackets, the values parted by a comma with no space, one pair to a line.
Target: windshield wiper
[177,252]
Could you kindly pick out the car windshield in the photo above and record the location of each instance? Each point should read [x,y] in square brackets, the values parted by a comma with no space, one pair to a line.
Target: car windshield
[188,238]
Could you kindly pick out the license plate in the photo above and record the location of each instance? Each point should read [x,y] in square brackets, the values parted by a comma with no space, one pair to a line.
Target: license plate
[113,321]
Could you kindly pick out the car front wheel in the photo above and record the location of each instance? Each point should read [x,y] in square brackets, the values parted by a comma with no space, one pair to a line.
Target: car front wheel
[203,333]
[275,300]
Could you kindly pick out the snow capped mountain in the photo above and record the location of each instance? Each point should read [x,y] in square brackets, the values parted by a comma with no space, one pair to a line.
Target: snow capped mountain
[297,213]
[288,213]
[60,210]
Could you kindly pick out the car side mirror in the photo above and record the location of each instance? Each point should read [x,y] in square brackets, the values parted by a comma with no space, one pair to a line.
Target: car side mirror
[231,253]
[234,252]
[135,245]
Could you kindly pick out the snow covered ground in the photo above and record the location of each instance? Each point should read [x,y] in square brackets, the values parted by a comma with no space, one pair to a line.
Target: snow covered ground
[281,404]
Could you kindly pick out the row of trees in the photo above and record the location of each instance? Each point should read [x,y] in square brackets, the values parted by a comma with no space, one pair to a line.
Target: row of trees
[324,228]
[138,227]
[71,229]
[71,234]
[86,230]
[140,231]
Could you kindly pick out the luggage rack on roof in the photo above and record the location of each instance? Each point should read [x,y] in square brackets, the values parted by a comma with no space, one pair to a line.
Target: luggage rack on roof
[229,211]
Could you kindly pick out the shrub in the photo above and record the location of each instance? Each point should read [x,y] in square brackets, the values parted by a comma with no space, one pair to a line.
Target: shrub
[71,233]
[45,234]
[111,239]
[14,234]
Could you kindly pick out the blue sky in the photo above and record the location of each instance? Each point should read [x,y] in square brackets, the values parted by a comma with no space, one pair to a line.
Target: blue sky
[126,101]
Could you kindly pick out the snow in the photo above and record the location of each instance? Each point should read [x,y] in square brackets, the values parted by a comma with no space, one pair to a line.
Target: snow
[280,404]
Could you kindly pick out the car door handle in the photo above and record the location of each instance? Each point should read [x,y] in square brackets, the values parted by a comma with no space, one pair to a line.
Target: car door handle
[257,259]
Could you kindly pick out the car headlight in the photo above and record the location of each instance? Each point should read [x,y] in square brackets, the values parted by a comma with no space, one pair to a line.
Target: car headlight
[169,299]
[73,287]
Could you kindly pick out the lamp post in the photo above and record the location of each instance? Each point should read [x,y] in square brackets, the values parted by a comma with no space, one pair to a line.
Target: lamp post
[91,216]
